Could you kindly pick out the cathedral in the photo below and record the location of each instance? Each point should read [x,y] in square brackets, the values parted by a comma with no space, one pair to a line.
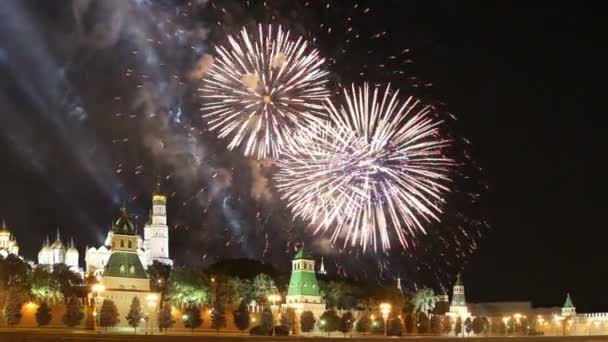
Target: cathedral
[8,244]
[154,246]
[58,253]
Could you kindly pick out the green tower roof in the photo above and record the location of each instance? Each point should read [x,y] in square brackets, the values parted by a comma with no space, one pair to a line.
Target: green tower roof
[302,254]
[126,265]
[568,303]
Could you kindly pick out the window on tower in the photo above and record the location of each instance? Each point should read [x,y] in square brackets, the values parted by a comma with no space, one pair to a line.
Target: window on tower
[122,243]
[130,245]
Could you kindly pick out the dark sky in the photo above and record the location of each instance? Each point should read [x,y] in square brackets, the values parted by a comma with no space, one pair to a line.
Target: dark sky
[522,80]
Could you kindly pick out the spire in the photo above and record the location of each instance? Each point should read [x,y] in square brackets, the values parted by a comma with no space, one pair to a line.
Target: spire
[302,254]
[4,227]
[58,236]
[322,268]
[459,281]
[399,283]
[47,242]
[72,244]
[568,303]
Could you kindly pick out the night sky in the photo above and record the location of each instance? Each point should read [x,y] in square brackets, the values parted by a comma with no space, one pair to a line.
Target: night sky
[98,100]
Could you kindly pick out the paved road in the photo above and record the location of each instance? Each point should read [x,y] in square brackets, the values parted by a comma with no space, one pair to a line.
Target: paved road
[64,335]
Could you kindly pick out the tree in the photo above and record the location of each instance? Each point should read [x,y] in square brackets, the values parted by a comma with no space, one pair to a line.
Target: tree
[363,324]
[73,312]
[244,290]
[12,308]
[423,322]
[66,279]
[435,324]
[159,274]
[500,327]
[486,325]
[242,319]
[43,315]
[346,322]
[266,320]
[192,318]
[394,327]
[477,325]
[108,315]
[188,286]
[409,322]
[228,289]
[424,300]
[458,326]
[44,285]
[307,321]
[288,318]
[218,316]
[165,318]
[14,273]
[263,286]
[329,321]
[468,325]
[446,325]
[340,294]
[135,314]
[378,326]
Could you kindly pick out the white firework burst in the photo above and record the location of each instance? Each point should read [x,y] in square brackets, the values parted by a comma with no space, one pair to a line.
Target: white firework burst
[377,165]
[261,88]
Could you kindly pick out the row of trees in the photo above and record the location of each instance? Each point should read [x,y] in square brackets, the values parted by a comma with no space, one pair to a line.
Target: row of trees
[72,317]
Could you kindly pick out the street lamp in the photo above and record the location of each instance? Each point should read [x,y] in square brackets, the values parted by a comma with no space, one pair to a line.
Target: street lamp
[385,309]
[273,298]
[99,288]
[152,299]
[517,322]
[505,320]
[540,320]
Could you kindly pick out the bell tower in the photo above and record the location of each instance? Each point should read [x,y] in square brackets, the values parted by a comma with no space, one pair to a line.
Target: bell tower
[156,232]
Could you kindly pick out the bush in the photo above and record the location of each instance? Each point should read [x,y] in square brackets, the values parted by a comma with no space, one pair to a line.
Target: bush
[281,330]
[260,331]
[307,321]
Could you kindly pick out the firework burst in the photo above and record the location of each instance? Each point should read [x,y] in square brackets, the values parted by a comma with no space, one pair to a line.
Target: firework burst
[377,163]
[261,88]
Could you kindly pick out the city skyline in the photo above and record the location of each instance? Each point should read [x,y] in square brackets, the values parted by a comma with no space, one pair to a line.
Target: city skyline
[83,132]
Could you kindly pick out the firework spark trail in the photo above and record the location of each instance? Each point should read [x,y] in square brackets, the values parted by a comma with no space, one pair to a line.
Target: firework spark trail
[260,89]
[377,163]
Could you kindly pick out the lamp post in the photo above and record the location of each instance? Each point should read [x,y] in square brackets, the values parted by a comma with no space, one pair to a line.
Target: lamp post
[385,309]
[151,299]
[214,284]
[516,323]
[298,311]
[540,321]
[98,288]
[273,298]
[505,320]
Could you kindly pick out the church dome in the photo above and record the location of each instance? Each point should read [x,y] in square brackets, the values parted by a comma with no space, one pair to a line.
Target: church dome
[4,231]
[58,245]
[71,252]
